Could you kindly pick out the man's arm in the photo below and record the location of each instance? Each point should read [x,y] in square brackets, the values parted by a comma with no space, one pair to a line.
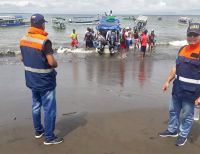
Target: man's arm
[71,35]
[170,77]
[48,51]
[51,61]
[77,37]
[20,57]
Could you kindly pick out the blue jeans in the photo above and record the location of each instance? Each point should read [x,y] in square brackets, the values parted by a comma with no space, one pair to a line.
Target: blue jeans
[184,123]
[47,100]
[127,43]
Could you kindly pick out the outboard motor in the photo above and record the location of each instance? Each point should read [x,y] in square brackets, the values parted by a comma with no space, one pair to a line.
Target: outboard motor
[100,44]
[100,48]
[112,45]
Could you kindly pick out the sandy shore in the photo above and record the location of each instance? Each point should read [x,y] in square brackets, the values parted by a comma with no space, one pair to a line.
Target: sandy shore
[127,132]
[112,112]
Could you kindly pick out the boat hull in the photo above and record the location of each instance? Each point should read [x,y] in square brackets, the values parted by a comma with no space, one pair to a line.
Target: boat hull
[83,20]
[11,21]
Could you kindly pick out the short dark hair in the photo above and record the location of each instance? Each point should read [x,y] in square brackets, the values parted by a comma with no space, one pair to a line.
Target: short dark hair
[146,31]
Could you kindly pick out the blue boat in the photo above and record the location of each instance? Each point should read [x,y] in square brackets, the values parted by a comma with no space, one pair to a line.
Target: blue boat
[108,23]
[7,21]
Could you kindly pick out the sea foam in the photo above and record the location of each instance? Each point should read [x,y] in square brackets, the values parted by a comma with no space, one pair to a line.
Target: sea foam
[178,43]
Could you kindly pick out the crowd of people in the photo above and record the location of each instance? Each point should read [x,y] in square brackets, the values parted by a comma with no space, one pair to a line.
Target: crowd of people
[125,39]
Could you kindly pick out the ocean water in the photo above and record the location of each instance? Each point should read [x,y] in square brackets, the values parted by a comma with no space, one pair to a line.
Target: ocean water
[87,81]
[167,30]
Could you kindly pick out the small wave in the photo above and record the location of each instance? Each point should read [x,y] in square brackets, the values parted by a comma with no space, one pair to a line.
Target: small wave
[9,53]
[173,43]
[162,43]
[178,43]
[62,50]
[82,50]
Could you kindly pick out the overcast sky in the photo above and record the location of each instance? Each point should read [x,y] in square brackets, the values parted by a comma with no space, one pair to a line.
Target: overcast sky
[101,6]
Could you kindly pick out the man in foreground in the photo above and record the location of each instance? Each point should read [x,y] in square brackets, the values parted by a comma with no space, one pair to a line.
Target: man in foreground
[186,87]
[39,63]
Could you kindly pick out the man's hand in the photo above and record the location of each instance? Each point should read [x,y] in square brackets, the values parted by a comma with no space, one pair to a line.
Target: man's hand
[170,77]
[197,101]
[166,86]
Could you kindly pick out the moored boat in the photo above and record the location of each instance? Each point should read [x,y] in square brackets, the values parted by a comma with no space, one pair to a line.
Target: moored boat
[83,20]
[130,18]
[140,23]
[159,18]
[184,21]
[58,22]
[112,25]
[7,21]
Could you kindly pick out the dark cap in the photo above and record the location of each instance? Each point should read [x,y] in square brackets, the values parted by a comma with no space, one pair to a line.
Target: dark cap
[194,28]
[37,19]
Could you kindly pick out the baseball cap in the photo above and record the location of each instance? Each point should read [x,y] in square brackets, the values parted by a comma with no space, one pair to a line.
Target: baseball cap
[194,28]
[37,19]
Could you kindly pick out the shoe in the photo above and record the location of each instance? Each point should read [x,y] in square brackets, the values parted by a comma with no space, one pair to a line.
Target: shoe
[167,133]
[57,140]
[181,141]
[39,134]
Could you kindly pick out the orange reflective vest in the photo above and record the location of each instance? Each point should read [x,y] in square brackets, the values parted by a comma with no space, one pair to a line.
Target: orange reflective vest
[39,75]
[187,82]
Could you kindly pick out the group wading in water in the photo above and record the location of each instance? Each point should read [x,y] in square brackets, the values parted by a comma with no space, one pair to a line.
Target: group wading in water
[118,40]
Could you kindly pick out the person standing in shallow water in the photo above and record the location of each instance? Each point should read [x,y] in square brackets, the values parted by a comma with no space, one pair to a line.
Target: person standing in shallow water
[122,41]
[144,41]
[152,40]
[186,87]
[40,74]
[74,38]
[136,39]
[88,39]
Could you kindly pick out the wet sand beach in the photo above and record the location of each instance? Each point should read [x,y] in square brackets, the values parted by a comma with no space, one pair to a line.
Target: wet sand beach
[105,106]
[128,132]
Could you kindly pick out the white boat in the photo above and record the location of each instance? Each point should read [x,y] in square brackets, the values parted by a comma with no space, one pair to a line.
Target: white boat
[83,20]
[129,18]
[58,22]
[141,22]
[7,21]
[184,20]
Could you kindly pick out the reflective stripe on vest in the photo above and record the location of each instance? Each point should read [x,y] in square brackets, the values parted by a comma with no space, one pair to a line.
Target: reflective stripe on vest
[35,70]
[35,43]
[36,40]
[32,42]
[193,81]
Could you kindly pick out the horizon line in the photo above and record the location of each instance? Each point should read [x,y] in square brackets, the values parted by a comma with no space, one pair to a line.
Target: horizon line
[170,14]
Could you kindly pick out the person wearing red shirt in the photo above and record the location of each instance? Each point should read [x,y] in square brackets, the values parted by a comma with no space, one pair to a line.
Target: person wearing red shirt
[144,41]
